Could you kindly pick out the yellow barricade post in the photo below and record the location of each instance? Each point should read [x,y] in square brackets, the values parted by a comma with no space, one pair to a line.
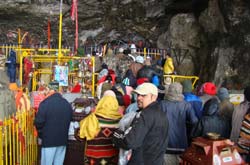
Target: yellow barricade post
[18,143]
[1,143]
[13,139]
[5,141]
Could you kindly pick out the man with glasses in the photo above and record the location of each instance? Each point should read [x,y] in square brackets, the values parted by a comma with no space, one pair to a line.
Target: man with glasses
[147,135]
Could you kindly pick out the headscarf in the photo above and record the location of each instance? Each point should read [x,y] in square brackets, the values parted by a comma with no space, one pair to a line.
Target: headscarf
[107,107]
[109,93]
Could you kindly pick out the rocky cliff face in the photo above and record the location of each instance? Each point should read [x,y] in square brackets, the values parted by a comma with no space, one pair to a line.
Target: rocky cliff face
[208,38]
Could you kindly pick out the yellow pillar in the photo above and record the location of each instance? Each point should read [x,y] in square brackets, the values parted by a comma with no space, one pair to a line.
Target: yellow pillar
[1,144]
[60,34]
[93,75]
[145,52]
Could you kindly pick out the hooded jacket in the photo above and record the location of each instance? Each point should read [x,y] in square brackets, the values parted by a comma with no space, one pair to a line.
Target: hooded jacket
[211,121]
[196,103]
[168,67]
[179,113]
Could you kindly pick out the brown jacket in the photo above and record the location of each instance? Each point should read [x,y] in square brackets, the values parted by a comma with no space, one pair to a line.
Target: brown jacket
[135,67]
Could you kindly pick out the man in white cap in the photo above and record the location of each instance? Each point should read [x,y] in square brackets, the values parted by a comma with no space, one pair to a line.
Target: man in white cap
[147,135]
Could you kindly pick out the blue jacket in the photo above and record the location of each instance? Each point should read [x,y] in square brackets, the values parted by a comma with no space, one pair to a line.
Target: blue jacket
[196,103]
[52,120]
[179,113]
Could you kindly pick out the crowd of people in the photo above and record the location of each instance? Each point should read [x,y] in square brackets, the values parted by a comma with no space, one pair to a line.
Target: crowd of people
[140,120]
[158,121]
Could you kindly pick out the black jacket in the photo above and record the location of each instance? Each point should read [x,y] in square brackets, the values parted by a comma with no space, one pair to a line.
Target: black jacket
[147,72]
[211,121]
[147,136]
[52,120]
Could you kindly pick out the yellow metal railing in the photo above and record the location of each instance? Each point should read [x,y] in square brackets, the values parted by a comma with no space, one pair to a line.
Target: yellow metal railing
[38,72]
[168,79]
[18,143]
[6,48]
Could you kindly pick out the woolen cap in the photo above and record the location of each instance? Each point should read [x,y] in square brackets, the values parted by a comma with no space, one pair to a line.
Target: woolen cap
[209,88]
[146,88]
[223,93]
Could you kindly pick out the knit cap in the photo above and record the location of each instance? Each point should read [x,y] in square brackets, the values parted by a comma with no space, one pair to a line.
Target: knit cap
[174,92]
[223,93]
[187,86]
[209,88]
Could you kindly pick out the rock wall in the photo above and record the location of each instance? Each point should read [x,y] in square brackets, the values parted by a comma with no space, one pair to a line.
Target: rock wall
[202,35]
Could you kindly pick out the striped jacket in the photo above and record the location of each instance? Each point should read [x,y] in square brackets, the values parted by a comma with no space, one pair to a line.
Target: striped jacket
[243,144]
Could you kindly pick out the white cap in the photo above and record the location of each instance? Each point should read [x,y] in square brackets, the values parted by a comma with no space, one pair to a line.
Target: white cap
[121,50]
[139,59]
[132,46]
[146,88]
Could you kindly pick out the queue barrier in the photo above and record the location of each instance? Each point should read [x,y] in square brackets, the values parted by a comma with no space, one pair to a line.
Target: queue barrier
[6,48]
[18,140]
[168,79]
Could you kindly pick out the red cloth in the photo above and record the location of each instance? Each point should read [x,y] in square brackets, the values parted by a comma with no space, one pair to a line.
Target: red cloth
[209,88]
[76,88]
[73,10]
[127,100]
[111,73]
[74,17]
[27,69]
[102,80]
[141,81]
